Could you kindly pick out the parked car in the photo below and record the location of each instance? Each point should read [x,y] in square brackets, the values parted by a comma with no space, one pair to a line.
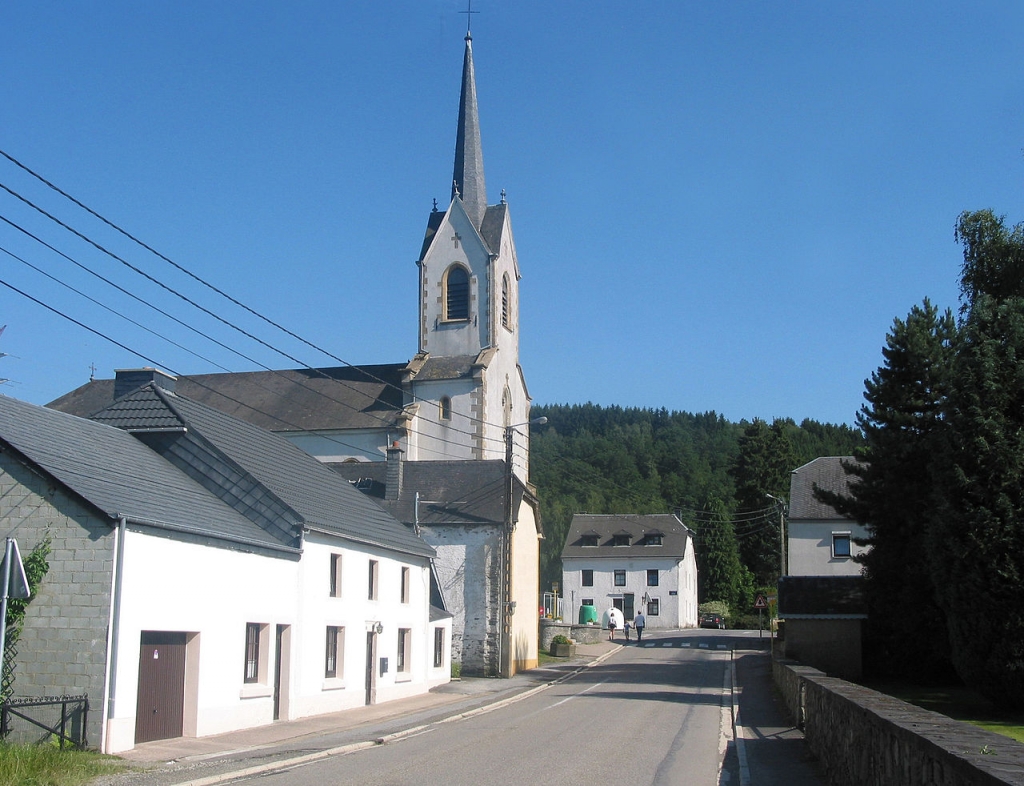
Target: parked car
[710,620]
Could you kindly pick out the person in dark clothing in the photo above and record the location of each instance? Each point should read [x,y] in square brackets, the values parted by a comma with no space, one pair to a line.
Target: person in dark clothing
[639,623]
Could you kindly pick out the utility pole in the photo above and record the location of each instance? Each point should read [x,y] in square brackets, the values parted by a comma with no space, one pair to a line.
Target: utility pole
[783,567]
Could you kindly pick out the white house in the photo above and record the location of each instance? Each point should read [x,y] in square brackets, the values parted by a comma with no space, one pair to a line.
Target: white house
[632,563]
[821,541]
[205,575]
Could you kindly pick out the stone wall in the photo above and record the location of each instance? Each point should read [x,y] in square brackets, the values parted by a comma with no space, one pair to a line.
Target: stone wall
[581,634]
[865,738]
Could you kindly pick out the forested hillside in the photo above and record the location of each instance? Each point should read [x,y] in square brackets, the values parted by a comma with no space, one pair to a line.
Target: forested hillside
[714,474]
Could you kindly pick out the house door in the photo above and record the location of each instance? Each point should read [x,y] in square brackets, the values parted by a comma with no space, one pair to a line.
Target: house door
[371,677]
[627,605]
[281,653]
[160,705]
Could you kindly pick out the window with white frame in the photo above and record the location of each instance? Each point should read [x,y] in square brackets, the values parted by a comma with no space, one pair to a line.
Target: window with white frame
[653,607]
[652,577]
[257,642]
[334,659]
[372,576]
[456,293]
[335,578]
[405,585]
[587,577]
[841,545]
[438,647]
[404,645]
[620,578]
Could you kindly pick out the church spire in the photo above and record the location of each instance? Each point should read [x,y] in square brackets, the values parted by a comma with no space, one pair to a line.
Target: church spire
[468,180]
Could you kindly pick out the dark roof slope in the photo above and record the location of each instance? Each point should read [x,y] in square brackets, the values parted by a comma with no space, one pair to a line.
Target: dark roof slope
[120,476]
[826,473]
[673,533]
[344,397]
[465,493]
[320,497]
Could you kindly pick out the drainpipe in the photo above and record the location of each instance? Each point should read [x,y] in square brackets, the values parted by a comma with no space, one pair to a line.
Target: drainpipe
[113,632]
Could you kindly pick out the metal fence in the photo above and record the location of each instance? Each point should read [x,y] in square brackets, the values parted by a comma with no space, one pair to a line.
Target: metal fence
[40,719]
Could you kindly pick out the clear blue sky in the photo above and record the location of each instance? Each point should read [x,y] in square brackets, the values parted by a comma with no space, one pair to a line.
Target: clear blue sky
[717,206]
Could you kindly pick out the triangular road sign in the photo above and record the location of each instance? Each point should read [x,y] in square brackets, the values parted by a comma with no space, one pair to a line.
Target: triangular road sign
[761,602]
[18,587]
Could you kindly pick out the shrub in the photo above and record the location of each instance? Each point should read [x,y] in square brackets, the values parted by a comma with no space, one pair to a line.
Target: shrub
[559,639]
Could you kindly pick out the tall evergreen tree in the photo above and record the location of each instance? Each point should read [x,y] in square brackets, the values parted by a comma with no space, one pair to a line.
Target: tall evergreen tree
[977,543]
[720,574]
[892,496]
[766,459]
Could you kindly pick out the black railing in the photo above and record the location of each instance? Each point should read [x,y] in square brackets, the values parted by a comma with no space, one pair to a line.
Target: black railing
[69,728]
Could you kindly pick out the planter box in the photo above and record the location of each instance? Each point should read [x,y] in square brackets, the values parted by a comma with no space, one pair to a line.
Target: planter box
[563,650]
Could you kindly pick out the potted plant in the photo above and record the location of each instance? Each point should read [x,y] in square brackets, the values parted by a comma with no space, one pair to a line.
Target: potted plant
[562,647]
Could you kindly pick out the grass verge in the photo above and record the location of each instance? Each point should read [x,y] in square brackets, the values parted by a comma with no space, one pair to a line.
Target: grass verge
[959,703]
[47,765]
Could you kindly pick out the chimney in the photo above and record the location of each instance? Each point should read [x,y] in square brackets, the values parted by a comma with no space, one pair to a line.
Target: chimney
[393,489]
[128,380]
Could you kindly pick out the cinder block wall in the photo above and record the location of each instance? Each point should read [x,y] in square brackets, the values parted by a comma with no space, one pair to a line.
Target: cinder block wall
[62,648]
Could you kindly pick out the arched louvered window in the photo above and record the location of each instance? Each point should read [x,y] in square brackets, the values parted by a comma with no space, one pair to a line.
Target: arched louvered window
[456,293]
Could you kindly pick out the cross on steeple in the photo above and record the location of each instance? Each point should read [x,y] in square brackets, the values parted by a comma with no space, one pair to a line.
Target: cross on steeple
[469,18]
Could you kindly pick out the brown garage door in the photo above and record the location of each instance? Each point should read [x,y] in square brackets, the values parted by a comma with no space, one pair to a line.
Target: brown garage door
[160,708]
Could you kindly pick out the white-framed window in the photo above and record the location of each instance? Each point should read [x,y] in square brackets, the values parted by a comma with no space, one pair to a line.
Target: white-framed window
[841,545]
[257,642]
[653,607]
[438,647]
[334,658]
[445,407]
[374,569]
[404,646]
[652,577]
[405,585]
[587,577]
[620,578]
[335,577]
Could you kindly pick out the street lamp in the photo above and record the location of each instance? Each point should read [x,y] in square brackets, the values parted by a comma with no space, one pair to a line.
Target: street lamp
[783,568]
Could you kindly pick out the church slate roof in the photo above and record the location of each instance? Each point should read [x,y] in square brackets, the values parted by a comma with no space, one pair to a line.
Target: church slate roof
[826,473]
[466,493]
[345,397]
[674,535]
[320,499]
[119,476]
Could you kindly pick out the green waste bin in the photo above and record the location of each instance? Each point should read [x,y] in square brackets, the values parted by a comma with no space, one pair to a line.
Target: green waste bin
[588,615]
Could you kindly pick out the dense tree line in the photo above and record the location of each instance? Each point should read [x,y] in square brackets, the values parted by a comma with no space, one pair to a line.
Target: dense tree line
[941,487]
[713,473]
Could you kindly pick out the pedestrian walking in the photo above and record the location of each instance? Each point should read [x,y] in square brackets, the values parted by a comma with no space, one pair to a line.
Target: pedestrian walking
[611,627]
[639,622]
[626,629]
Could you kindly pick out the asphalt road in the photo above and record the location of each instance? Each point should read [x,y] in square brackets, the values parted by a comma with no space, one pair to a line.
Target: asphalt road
[655,713]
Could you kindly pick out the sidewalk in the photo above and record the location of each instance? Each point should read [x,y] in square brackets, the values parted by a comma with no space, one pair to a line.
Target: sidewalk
[375,721]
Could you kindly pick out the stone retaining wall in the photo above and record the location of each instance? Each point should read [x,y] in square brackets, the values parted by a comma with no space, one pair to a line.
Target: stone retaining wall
[581,634]
[865,738]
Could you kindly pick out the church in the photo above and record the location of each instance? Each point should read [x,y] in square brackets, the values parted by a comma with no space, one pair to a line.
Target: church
[442,440]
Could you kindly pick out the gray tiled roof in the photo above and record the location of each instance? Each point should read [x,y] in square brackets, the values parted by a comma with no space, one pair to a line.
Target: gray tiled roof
[119,476]
[320,497]
[826,473]
[345,397]
[674,535]
[466,493]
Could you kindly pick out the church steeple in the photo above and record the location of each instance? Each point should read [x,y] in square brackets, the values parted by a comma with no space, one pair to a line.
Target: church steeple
[468,179]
